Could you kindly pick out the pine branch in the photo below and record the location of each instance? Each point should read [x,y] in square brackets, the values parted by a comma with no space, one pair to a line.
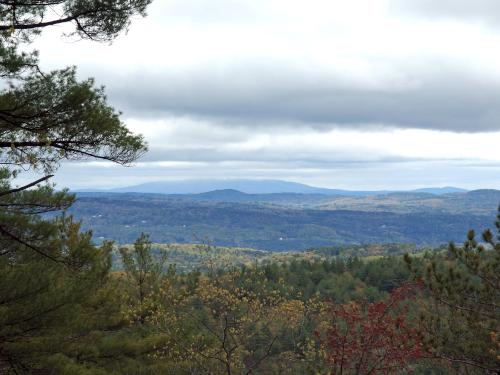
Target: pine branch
[12,191]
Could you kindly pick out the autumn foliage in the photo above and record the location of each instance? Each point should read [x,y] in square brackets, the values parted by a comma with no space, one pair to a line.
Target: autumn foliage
[373,338]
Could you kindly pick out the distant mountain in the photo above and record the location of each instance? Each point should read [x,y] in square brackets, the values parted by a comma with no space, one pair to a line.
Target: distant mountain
[244,186]
[255,187]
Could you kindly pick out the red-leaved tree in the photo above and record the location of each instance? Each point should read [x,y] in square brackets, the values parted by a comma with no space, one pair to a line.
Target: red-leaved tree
[373,338]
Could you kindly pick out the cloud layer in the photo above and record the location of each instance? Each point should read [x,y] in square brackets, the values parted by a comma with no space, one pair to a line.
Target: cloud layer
[442,100]
[322,64]
[312,87]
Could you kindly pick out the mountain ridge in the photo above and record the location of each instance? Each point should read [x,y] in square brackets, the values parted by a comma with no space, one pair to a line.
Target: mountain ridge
[256,187]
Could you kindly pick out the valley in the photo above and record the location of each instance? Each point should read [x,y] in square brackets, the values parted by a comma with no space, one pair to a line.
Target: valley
[286,221]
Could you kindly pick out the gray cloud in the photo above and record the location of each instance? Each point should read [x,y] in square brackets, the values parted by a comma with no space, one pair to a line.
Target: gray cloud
[245,89]
[441,100]
[428,85]
[304,158]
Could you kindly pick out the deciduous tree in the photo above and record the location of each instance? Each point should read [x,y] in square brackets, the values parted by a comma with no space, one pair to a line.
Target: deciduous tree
[372,338]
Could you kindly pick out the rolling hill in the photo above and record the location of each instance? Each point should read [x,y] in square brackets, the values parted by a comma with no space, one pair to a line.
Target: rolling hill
[285,222]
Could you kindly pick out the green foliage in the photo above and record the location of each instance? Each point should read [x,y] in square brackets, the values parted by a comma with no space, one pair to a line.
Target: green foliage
[48,117]
[144,272]
[93,19]
[203,257]
[54,117]
[50,303]
[259,317]
[460,314]
[60,311]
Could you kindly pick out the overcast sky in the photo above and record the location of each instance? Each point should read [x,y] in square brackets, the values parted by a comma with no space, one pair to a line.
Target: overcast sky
[358,94]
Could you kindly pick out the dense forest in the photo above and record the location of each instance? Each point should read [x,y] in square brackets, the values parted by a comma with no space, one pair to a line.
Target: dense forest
[316,312]
[72,305]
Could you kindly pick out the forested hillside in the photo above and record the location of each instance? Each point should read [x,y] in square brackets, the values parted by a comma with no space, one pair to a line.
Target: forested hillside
[204,256]
[181,219]
[472,202]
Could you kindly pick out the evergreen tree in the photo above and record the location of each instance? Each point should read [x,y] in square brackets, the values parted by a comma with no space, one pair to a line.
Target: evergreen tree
[59,310]
[144,273]
[49,117]
[461,317]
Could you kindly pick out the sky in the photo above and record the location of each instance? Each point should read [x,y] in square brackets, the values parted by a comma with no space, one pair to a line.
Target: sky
[359,94]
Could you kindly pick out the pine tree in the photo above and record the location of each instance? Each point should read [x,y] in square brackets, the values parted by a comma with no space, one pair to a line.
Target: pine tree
[59,310]
[461,314]
[144,273]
